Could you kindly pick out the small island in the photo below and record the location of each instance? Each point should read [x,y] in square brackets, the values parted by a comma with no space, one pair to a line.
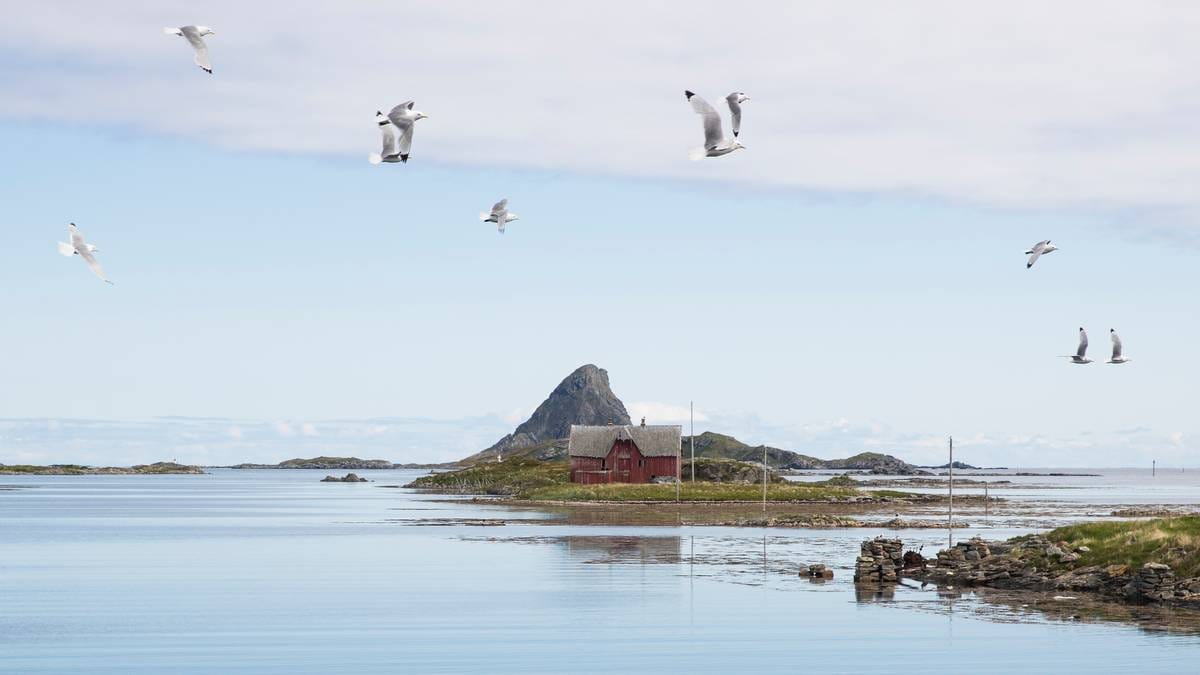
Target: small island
[324,463]
[157,468]
[348,478]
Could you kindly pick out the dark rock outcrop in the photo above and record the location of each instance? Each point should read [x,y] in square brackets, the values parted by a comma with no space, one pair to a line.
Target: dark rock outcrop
[584,397]
[348,478]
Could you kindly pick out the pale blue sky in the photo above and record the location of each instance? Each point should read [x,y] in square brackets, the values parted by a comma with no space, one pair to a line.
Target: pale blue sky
[290,287]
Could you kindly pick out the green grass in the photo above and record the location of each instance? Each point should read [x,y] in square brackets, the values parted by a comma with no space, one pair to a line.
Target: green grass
[80,469]
[513,477]
[30,468]
[549,481]
[1173,541]
[689,492]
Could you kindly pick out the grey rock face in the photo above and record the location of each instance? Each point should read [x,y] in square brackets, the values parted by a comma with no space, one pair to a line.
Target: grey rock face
[584,397]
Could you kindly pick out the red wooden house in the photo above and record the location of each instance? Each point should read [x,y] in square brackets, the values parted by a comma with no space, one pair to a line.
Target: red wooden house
[624,454]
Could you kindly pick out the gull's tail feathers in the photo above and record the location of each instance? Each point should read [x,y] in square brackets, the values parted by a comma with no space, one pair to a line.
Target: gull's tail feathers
[484,216]
[697,154]
[66,249]
[172,31]
[375,158]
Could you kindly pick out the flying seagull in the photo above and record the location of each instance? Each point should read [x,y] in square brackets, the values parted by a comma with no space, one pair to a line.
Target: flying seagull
[715,144]
[499,215]
[82,249]
[735,101]
[401,117]
[1117,357]
[195,36]
[1038,250]
[1080,355]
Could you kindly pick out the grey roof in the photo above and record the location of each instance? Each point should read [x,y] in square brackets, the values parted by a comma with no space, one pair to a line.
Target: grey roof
[657,440]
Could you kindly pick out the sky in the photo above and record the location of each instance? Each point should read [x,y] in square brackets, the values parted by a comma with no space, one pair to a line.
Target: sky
[853,280]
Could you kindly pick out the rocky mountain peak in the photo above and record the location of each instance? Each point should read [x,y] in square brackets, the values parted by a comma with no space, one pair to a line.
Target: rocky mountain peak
[583,397]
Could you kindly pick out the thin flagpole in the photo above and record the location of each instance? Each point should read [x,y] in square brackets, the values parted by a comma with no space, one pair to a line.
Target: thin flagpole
[692,414]
[950,514]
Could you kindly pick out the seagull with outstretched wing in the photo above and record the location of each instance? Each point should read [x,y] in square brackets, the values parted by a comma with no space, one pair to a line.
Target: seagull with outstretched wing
[195,37]
[401,118]
[1038,250]
[735,101]
[499,215]
[81,248]
[1080,355]
[1117,357]
[715,143]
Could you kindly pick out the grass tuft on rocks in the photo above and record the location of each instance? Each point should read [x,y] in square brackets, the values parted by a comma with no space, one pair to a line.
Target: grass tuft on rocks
[1172,541]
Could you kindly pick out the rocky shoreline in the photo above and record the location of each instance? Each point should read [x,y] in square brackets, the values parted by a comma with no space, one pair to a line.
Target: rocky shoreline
[1032,563]
[826,521]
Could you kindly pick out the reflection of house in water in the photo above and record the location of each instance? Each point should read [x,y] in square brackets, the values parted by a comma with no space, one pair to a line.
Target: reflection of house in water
[620,549]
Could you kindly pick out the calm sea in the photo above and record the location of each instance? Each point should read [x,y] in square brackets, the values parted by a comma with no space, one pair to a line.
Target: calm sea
[274,572]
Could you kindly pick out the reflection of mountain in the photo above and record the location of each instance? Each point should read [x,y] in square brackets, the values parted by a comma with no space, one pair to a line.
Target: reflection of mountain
[625,550]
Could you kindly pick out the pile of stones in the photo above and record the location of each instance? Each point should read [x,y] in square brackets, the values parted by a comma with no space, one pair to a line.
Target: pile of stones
[1154,582]
[818,571]
[878,560]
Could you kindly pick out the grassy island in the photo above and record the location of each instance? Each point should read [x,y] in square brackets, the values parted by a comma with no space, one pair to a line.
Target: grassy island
[549,481]
[83,470]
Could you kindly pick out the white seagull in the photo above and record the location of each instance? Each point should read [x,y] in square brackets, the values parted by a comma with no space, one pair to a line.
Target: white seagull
[715,144]
[195,36]
[1038,250]
[1117,357]
[735,101]
[499,215]
[401,117]
[82,249]
[1080,355]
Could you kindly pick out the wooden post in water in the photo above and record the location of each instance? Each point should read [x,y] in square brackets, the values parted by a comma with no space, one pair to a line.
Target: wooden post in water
[692,415]
[1153,467]
[678,471]
[950,512]
[764,484]
[986,503]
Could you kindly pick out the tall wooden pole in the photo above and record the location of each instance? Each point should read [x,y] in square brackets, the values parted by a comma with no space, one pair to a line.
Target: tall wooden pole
[764,483]
[692,414]
[950,515]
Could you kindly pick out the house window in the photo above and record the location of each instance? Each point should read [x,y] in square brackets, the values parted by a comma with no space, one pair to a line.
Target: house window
[602,464]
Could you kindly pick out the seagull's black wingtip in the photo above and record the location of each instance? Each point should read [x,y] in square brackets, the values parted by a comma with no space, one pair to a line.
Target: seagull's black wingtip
[688,94]
[404,159]
[735,134]
[1028,265]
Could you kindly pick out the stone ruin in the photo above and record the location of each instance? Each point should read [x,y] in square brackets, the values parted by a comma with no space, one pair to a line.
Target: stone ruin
[879,560]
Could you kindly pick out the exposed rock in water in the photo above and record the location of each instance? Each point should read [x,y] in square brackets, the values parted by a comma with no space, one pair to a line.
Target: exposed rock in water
[584,397]
[1143,512]
[348,478]
[818,571]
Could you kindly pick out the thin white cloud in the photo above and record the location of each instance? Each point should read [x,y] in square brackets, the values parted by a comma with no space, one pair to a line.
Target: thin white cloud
[1017,104]
[284,429]
[309,429]
[656,412]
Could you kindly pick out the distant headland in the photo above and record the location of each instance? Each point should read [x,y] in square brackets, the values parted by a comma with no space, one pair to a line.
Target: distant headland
[83,470]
